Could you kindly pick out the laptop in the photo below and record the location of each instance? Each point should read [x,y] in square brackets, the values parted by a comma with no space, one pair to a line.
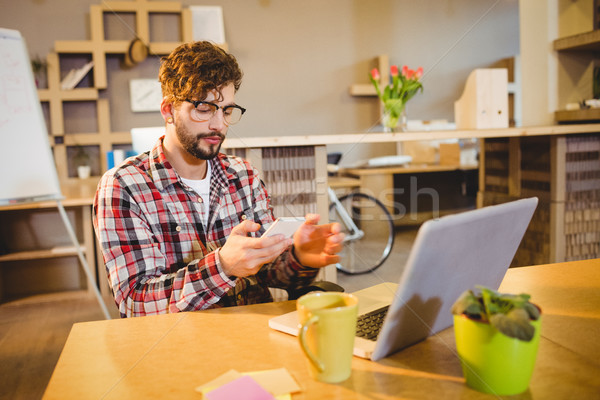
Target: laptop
[450,255]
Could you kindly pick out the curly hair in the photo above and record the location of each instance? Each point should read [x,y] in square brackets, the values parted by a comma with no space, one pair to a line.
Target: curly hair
[194,69]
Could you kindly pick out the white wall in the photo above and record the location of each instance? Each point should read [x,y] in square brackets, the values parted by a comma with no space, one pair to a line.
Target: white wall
[300,57]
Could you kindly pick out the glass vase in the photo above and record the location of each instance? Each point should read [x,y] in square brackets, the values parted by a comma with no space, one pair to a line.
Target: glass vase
[392,123]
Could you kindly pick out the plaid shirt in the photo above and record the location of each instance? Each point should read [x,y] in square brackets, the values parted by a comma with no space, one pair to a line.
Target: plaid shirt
[159,256]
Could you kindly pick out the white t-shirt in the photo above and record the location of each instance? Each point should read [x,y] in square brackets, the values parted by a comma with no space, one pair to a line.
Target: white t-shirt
[202,188]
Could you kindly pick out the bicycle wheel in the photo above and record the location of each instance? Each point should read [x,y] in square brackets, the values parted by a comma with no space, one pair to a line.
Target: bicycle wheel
[367,249]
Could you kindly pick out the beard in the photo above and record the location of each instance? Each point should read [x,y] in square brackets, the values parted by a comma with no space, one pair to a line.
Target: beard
[192,143]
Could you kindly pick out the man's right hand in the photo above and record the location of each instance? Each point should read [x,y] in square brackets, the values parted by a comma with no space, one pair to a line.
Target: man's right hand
[243,256]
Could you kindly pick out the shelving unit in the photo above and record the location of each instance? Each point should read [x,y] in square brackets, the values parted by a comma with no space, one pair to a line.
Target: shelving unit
[562,171]
[34,246]
[578,56]
[96,49]
[30,251]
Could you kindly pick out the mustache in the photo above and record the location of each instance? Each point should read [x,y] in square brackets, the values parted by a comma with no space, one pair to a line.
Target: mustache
[205,135]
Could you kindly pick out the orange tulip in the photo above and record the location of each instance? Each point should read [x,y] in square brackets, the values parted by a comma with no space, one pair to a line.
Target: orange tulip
[375,73]
[405,70]
[419,72]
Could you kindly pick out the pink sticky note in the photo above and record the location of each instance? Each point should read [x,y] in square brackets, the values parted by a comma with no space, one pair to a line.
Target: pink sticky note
[244,388]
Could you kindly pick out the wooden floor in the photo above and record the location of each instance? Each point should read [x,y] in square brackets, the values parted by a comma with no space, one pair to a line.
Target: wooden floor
[34,330]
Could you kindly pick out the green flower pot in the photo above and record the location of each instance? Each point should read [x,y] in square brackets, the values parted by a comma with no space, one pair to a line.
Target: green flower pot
[493,362]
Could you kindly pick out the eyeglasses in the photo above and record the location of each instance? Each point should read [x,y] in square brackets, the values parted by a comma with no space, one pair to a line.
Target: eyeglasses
[204,110]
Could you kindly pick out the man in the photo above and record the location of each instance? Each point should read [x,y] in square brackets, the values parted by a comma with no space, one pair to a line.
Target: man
[180,226]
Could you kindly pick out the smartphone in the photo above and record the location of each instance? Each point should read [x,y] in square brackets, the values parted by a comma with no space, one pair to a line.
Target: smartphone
[285,226]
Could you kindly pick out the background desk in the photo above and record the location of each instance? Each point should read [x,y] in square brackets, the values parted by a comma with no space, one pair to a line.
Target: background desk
[558,163]
[35,249]
[380,183]
[168,356]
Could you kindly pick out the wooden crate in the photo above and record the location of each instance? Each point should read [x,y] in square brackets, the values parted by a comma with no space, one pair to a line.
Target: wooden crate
[582,197]
[564,173]
[495,165]
[536,244]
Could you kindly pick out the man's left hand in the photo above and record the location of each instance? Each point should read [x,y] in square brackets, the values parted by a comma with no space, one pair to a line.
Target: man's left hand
[317,245]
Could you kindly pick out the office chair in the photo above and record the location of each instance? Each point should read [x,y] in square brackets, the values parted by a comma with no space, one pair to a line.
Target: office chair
[320,286]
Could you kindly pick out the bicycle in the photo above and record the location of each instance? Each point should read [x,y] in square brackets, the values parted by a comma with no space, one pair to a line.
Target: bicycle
[368,227]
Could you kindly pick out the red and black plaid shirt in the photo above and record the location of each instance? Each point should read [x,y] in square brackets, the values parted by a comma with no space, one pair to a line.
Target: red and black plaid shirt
[159,256]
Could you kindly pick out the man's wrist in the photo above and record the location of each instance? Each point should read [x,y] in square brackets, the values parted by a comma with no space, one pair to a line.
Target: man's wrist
[295,260]
[227,278]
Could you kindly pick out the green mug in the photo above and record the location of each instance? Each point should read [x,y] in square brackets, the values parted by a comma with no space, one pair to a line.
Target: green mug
[327,331]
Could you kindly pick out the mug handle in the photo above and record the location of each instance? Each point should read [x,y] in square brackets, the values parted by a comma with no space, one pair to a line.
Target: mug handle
[302,336]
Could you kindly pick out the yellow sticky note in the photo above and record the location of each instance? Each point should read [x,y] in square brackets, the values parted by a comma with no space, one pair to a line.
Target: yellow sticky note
[276,381]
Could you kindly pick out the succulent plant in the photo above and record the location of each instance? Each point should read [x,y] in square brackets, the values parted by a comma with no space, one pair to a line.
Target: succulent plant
[509,313]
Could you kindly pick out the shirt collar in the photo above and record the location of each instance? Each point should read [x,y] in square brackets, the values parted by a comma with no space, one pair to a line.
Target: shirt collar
[163,174]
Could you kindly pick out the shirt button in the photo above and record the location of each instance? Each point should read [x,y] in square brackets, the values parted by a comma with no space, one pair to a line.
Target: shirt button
[178,228]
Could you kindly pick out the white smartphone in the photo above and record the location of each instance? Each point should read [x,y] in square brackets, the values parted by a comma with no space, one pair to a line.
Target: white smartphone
[285,226]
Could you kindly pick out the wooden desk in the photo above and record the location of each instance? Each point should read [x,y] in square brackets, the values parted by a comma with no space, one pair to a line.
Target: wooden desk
[168,356]
[514,163]
[379,183]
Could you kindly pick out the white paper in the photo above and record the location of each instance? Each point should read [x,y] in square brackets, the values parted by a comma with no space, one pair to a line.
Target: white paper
[145,95]
[207,23]
[75,76]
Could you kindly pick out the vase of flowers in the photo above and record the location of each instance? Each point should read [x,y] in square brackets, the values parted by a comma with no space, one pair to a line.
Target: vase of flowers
[395,95]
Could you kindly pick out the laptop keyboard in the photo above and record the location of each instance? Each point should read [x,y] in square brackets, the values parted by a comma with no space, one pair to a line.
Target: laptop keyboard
[368,325]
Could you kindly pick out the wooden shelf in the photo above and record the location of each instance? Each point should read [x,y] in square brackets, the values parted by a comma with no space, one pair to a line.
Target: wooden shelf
[343,182]
[588,41]
[60,251]
[82,94]
[382,137]
[577,54]
[84,46]
[591,114]
[363,89]
[96,49]
[165,47]
[407,169]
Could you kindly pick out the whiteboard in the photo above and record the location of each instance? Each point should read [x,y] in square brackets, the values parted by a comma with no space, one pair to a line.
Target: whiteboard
[27,169]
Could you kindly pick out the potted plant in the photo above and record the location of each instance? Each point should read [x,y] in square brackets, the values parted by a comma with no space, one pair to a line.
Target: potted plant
[497,337]
[82,162]
[39,67]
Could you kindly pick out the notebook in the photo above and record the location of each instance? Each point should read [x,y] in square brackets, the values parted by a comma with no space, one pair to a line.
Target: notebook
[450,255]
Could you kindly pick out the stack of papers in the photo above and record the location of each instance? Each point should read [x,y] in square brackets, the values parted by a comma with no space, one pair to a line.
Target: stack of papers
[75,76]
[385,161]
[274,384]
